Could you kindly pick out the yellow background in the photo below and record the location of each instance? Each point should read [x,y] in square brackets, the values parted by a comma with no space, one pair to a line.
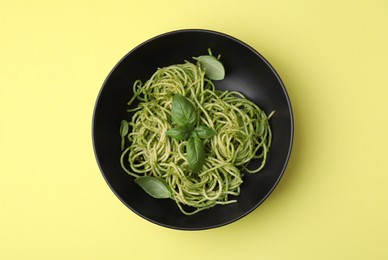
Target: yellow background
[332,201]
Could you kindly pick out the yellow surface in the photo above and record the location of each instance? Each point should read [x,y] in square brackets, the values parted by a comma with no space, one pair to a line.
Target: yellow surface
[332,201]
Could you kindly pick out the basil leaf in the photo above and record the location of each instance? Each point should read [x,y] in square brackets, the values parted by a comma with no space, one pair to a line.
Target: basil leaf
[204,132]
[183,111]
[124,129]
[213,68]
[180,132]
[195,153]
[194,134]
[154,187]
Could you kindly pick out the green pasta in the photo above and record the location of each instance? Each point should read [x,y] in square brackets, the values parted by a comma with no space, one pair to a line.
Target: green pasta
[242,134]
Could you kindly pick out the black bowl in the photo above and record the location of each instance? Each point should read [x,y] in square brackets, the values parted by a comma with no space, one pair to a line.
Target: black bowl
[246,71]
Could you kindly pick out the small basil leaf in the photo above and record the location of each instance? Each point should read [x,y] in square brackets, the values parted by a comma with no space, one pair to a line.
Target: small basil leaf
[195,153]
[213,68]
[124,128]
[183,111]
[180,132]
[154,187]
[204,132]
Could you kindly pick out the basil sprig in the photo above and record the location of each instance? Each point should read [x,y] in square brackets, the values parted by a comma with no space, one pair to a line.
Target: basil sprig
[185,116]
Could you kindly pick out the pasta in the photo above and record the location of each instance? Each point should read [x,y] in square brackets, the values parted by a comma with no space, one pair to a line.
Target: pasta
[242,134]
